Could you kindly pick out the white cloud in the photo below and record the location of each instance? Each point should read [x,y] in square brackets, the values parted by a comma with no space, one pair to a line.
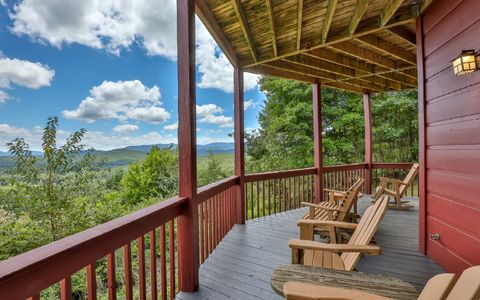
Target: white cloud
[171,127]
[92,139]
[121,100]
[208,109]
[126,128]
[115,25]
[249,104]
[24,73]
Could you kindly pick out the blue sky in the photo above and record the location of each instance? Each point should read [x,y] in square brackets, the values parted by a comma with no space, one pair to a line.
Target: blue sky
[110,68]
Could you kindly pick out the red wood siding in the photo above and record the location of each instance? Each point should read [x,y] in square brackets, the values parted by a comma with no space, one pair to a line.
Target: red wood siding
[452,135]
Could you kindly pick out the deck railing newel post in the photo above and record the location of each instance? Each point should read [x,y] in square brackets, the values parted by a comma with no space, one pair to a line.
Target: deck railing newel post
[368,142]
[188,240]
[317,140]
[239,144]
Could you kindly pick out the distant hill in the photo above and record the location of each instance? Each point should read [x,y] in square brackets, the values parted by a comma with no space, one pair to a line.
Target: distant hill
[129,154]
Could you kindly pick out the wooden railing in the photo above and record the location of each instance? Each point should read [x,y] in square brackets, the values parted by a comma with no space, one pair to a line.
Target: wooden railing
[216,213]
[273,192]
[341,177]
[143,237]
[394,170]
[135,256]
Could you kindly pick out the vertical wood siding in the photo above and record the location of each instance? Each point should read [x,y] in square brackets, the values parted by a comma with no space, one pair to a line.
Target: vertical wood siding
[452,135]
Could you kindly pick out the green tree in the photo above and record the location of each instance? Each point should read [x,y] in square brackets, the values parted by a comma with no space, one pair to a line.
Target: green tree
[213,171]
[48,193]
[155,177]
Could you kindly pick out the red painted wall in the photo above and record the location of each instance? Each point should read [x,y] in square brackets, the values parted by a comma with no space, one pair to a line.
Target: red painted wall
[452,135]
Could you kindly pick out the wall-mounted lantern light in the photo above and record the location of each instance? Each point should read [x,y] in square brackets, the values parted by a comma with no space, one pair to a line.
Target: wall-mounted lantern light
[467,62]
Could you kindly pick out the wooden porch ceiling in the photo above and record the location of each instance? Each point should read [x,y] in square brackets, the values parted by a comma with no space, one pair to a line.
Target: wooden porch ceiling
[354,45]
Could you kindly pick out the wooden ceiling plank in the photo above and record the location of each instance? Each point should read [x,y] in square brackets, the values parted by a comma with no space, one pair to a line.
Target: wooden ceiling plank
[388,48]
[273,71]
[240,12]
[367,26]
[292,67]
[389,10]
[313,62]
[272,26]
[327,21]
[207,18]
[357,15]
[299,24]
[403,34]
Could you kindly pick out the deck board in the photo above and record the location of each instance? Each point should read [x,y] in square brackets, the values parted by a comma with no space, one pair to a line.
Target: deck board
[243,263]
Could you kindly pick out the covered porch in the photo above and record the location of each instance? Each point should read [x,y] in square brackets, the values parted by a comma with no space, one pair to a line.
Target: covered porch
[242,265]
[224,240]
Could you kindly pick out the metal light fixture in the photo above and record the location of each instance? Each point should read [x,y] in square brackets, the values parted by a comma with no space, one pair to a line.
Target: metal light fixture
[466,62]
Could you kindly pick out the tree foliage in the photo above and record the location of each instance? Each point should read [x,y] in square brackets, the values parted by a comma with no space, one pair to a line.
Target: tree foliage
[285,137]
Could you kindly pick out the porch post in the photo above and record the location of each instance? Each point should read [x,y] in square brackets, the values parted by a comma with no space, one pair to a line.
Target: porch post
[188,244]
[239,144]
[368,141]
[317,140]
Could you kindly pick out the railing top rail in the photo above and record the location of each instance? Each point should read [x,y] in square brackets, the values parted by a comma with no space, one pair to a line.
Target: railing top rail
[30,272]
[279,174]
[212,189]
[402,165]
[358,166]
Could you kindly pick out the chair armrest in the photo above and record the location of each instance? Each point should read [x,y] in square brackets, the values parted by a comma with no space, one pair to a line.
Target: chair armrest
[335,191]
[305,291]
[337,248]
[327,223]
[320,206]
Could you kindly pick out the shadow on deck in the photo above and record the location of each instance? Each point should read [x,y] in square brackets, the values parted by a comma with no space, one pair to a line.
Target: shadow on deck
[243,263]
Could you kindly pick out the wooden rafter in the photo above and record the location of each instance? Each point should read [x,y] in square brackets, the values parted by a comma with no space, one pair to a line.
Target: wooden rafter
[292,67]
[389,10]
[240,12]
[299,23]
[357,15]
[367,26]
[388,48]
[272,26]
[403,34]
[205,15]
[327,21]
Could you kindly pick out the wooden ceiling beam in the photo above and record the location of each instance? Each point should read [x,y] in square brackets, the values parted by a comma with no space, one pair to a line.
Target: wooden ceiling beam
[389,10]
[240,12]
[293,67]
[327,21]
[272,26]
[404,35]
[299,23]
[207,18]
[277,72]
[370,25]
[388,48]
[357,15]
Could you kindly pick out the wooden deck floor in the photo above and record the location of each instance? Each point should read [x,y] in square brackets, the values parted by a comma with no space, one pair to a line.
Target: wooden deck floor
[242,265]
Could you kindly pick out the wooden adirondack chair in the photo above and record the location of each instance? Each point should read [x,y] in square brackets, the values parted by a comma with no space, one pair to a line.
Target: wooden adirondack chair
[338,206]
[396,188]
[440,287]
[316,254]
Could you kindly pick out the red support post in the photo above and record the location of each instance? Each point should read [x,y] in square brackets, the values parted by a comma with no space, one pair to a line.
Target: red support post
[317,140]
[239,144]
[368,141]
[421,135]
[188,242]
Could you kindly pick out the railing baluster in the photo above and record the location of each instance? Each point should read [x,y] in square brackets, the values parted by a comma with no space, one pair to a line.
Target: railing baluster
[153,265]
[202,236]
[268,197]
[163,263]
[251,198]
[66,288]
[263,197]
[171,229]
[127,257]
[111,278]
[141,267]
[91,282]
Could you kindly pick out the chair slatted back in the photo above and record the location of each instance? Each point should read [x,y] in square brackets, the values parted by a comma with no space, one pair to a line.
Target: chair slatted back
[350,198]
[365,230]
[409,179]
[467,286]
